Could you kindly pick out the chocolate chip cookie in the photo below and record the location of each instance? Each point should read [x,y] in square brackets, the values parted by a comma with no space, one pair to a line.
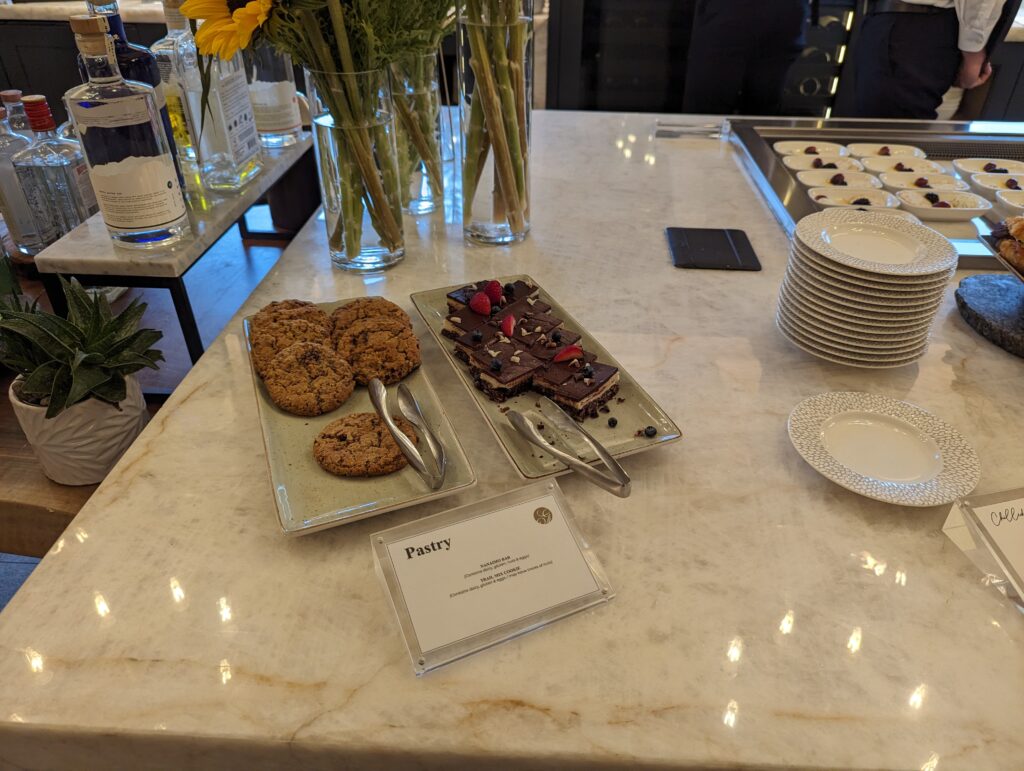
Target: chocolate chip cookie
[281,310]
[274,336]
[367,308]
[378,347]
[360,445]
[308,379]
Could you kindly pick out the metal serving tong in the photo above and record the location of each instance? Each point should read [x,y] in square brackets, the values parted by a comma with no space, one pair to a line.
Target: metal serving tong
[616,480]
[432,473]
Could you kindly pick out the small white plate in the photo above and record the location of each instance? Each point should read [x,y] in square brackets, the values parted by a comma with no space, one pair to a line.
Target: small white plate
[852,196]
[883,210]
[887,163]
[963,206]
[823,178]
[1012,199]
[806,162]
[840,356]
[865,296]
[988,185]
[855,284]
[855,323]
[794,147]
[883,448]
[851,333]
[867,149]
[876,243]
[856,307]
[905,180]
[872,279]
[968,166]
[853,346]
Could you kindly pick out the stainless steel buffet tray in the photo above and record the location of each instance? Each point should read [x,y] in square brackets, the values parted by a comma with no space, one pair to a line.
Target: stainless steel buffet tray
[941,140]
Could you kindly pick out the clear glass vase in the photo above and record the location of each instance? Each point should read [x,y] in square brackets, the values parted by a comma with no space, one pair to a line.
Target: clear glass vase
[274,100]
[496,90]
[357,162]
[417,100]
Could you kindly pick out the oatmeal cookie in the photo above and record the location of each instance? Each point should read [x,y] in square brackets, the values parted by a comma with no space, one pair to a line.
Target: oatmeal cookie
[281,310]
[379,347]
[364,308]
[308,379]
[274,336]
[360,445]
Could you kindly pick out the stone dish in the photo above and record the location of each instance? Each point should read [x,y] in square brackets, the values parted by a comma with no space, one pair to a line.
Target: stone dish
[637,409]
[308,498]
[884,449]
[963,206]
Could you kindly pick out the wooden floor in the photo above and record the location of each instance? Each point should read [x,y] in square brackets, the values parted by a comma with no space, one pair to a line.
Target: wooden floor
[34,510]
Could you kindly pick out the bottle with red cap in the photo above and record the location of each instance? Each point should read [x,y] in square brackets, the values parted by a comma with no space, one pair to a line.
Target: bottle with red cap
[53,176]
[11,99]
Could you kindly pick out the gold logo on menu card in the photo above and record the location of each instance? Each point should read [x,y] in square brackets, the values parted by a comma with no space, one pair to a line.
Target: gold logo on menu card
[542,515]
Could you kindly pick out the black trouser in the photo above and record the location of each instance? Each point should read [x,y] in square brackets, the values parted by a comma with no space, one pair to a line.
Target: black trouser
[740,51]
[904,63]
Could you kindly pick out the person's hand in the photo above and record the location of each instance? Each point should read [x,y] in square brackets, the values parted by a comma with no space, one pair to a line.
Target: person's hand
[975,69]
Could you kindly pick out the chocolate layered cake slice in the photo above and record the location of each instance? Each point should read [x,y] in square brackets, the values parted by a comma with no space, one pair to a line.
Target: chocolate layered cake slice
[546,346]
[468,342]
[462,321]
[510,293]
[502,370]
[585,391]
[553,374]
[459,298]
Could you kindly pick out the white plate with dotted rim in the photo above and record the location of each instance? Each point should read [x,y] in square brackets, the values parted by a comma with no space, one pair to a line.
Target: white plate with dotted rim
[851,284]
[793,294]
[847,356]
[859,310]
[866,298]
[883,448]
[874,283]
[853,346]
[848,331]
[877,243]
[846,362]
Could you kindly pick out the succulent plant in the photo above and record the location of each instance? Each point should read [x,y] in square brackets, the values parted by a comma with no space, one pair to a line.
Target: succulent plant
[87,355]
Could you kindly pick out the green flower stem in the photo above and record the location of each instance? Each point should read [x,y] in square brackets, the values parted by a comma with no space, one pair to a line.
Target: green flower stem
[478,145]
[415,122]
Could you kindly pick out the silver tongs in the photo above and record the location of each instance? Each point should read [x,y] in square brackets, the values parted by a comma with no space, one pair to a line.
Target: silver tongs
[616,480]
[432,473]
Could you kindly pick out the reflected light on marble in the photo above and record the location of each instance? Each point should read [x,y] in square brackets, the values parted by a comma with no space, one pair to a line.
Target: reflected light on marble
[58,547]
[917,697]
[649,159]
[102,608]
[854,642]
[735,651]
[177,593]
[631,138]
[996,624]
[225,609]
[619,143]
[627,153]
[34,659]
[729,716]
[868,562]
[901,578]
[81,535]
[225,671]
[16,718]
[932,763]
[786,626]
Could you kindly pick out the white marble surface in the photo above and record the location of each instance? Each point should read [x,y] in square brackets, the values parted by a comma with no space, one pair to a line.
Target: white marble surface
[763,614]
[88,249]
[132,11]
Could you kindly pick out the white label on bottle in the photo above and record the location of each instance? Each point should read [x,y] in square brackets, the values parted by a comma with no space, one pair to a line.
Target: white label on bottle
[15,208]
[239,120]
[138,192]
[276,106]
[85,188]
[129,111]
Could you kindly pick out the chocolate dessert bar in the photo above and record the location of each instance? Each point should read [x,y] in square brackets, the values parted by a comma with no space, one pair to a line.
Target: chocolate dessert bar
[546,348]
[502,371]
[586,390]
[461,321]
[517,290]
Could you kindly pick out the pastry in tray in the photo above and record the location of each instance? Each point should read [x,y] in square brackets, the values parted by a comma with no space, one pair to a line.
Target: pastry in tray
[512,344]
[1009,237]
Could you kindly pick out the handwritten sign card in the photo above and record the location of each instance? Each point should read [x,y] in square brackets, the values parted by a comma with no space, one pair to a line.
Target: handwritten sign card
[998,521]
[470,578]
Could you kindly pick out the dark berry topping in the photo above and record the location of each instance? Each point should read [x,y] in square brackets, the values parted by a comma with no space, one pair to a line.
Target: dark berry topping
[817,163]
[862,202]
[1000,171]
[496,365]
[588,371]
[902,167]
[941,205]
[1012,184]
[989,167]
[884,150]
[812,150]
[932,198]
[477,335]
[650,431]
[509,288]
[829,166]
[921,182]
[837,179]
[612,422]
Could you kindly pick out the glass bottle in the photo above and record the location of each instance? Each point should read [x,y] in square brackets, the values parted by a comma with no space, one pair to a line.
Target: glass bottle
[53,176]
[131,163]
[134,62]
[229,147]
[11,99]
[13,205]
[166,51]
[274,101]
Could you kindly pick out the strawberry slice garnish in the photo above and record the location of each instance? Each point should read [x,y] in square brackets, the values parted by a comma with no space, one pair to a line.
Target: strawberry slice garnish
[508,325]
[480,303]
[493,291]
[568,353]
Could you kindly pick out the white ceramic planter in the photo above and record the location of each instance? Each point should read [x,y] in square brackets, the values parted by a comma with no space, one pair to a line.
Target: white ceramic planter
[82,444]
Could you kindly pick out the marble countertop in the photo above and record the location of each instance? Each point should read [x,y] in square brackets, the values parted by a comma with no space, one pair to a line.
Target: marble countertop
[88,249]
[763,615]
[132,11]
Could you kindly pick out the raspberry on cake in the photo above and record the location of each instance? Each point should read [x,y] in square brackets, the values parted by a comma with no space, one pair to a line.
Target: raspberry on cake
[518,290]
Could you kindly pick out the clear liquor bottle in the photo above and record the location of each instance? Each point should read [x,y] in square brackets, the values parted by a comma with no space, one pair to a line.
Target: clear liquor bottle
[229,146]
[166,51]
[53,176]
[134,61]
[13,204]
[274,100]
[11,99]
[131,163]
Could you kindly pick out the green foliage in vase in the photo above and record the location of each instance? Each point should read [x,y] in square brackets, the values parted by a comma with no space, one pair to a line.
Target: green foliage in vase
[87,355]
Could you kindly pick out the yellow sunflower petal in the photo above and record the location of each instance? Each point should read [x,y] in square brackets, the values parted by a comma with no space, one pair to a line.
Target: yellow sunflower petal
[205,9]
[210,33]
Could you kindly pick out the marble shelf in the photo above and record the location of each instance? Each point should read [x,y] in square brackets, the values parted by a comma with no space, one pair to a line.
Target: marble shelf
[764,616]
[88,248]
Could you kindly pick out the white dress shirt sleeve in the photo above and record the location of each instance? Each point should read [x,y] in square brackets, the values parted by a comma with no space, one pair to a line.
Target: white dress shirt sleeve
[977,18]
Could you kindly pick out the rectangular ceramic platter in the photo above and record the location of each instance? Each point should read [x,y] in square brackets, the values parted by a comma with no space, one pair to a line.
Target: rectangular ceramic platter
[993,246]
[636,411]
[308,498]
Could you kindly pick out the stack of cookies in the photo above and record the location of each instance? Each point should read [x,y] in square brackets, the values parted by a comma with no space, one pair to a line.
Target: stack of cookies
[311,362]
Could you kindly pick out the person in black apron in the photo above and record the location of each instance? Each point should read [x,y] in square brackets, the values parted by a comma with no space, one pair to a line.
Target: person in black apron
[740,52]
[908,54]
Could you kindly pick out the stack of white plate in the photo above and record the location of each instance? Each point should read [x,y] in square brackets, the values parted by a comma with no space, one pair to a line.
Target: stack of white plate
[862,288]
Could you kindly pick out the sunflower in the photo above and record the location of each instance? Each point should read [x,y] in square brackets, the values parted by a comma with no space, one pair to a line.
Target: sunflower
[228,25]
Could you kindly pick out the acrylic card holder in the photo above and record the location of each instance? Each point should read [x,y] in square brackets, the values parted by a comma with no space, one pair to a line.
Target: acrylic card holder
[996,523]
